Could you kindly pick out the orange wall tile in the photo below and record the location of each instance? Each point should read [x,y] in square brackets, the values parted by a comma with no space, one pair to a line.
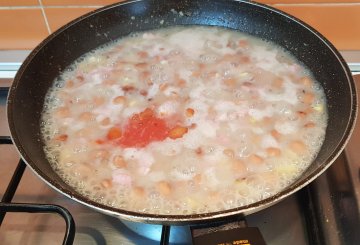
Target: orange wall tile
[306,1]
[339,23]
[19,2]
[24,28]
[78,2]
[58,17]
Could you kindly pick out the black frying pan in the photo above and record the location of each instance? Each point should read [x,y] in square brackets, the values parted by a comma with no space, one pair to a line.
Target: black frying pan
[54,54]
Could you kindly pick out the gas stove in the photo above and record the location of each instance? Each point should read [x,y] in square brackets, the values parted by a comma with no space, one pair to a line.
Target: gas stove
[325,212]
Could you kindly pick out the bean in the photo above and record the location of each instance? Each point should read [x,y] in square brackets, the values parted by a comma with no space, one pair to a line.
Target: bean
[228,58]
[273,152]
[214,195]
[100,141]
[163,86]
[239,166]
[163,187]
[145,75]
[143,54]
[309,125]
[196,74]
[149,82]
[84,132]
[143,92]
[267,121]
[119,161]
[301,114]
[192,126]
[105,121]
[255,159]
[199,151]
[128,88]
[69,84]
[181,83]
[306,81]
[62,112]
[106,183]
[138,191]
[243,43]
[109,82]
[213,74]
[146,114]
[277,84]
[119,100]
[274,133]
[244,59]
[64,96]
[157,59]
[197,179]
[82,171]
[229,152]
[247,84]
[120,64]
[298,147]
[308,98]
[80,78]
[174,95]
[86,116]
[230,82]
[215,44]
[239,102]
[141,65]
[98,100]
[212,113]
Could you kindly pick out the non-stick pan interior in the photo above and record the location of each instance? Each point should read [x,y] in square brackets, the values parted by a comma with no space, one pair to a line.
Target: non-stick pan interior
[51,57]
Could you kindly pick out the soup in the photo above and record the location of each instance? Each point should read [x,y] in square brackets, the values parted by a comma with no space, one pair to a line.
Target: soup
[183,120]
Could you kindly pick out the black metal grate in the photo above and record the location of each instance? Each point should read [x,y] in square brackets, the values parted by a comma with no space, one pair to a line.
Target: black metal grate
[7,206]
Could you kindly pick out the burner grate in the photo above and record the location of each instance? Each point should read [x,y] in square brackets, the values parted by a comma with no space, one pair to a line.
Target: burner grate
[7,206]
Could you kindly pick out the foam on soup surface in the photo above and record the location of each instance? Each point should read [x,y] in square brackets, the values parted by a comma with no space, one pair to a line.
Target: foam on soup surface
[183,120]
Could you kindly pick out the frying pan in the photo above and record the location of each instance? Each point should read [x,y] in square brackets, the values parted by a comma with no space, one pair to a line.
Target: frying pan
[60,49]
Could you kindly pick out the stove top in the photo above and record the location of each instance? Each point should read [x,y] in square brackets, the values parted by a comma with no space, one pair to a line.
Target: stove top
[325,212]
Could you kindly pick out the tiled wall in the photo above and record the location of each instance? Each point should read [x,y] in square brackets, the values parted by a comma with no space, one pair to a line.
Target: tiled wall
[24,23]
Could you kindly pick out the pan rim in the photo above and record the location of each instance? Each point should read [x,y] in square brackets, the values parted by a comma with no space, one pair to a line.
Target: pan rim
[191,218]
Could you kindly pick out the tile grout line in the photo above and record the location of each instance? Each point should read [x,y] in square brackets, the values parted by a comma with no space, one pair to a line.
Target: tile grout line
[45,17]
[99,6]
[49,7]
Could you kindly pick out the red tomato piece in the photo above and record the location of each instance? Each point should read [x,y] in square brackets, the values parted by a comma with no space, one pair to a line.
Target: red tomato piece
[144,128]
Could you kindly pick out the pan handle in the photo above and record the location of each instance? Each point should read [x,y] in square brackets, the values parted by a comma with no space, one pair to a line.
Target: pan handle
[235,232]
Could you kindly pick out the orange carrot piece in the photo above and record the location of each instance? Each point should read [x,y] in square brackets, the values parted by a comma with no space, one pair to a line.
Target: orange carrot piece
[189,112]
[177,132]
[114,133]
[61,137]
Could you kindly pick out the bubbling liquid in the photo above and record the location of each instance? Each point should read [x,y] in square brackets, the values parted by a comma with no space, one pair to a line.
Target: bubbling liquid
[184,120]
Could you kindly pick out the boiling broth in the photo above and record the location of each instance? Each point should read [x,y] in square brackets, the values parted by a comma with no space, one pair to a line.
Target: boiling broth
[183,120]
